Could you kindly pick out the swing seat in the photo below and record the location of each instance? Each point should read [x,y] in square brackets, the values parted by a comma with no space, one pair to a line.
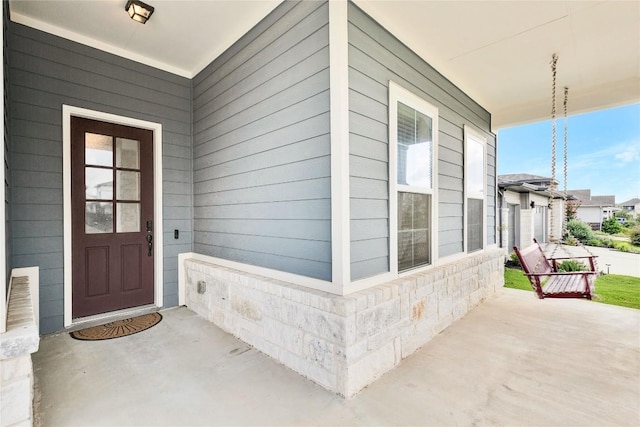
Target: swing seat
[548,282]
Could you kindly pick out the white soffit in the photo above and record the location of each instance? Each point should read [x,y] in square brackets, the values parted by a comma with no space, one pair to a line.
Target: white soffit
[182,36]
[496,51]
[499,52]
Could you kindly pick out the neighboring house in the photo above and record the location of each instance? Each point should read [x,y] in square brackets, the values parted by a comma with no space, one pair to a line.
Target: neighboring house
[632,206]
[334,192]
[594,209]
[525,205]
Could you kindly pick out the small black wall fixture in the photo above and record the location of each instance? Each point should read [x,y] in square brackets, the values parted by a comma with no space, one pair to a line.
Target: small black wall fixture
[139,11]
[532,204]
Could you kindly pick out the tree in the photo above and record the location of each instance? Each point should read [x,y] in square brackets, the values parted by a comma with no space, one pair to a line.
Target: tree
[571,209]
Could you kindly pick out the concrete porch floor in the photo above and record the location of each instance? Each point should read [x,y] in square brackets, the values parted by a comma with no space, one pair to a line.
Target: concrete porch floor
[514,360]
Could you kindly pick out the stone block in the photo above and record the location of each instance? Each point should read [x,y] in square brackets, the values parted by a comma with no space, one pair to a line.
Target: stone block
[443,323]
[372,321]
[362,301]
[418,310]
[387,334]
[322,324]
[12,369]
[17,397]
[343,306]
[319,352]
[285,336]
[369,368]
[424,290]
[352,352]
[246,308]
[445,306]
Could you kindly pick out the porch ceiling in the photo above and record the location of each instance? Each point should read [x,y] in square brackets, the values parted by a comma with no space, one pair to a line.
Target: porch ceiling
[498,52]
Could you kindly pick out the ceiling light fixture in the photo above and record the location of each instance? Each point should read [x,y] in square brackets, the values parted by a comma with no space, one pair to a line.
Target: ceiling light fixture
[139,11]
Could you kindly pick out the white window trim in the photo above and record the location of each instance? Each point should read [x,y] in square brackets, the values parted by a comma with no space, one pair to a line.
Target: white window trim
[471,133]
[399,94]
[158,247]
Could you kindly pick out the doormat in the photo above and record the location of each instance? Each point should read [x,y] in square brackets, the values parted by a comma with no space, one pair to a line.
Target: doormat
[119,328]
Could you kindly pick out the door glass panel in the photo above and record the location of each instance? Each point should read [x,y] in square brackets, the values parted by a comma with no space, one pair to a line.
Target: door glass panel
[98,149]
[98,217]
[127,153]
[127,185]
[128,217]
[98,183]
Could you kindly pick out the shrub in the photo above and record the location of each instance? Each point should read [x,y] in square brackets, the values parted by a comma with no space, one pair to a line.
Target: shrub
[514,259]
[622,247]
[571,265]
[634,235]
[606,242]
[612,226]
[595,242]
[580,230]
[571,241]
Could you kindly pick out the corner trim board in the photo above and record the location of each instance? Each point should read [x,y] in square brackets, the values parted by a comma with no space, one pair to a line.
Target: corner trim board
[339,116]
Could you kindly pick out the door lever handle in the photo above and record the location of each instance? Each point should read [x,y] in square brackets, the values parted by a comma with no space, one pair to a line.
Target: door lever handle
[150,244]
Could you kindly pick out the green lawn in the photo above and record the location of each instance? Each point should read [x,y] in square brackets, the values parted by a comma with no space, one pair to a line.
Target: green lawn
[610,288]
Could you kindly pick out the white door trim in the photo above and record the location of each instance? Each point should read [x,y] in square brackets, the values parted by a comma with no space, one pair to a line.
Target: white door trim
[67,112]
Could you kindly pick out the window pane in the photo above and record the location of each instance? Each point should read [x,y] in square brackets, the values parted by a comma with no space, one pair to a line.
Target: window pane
[127,185]
[421,247]
[405,211]
[98,217]
[98,183]
[98,149]
[475,167]
[405,250]
[415,147]
[128,217]
[414,232]
[474,224]
[127,153]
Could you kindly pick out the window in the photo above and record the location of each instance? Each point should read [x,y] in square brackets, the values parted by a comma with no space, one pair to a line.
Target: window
[475,185]
[412,164]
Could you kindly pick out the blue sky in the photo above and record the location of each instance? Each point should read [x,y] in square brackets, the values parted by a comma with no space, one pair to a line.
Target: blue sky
[604,151]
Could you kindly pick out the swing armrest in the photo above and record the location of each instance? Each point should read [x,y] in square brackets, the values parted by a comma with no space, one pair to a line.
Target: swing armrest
[563,273]
[574,257]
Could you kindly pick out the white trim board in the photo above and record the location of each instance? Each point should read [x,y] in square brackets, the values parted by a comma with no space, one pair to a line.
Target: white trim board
[294,279]
[470,133]
[3,237]
[397,94]
[339,114]
[67,112]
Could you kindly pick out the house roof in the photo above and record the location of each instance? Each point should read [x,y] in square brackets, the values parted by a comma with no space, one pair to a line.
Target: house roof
[631,202]
[587,200]
[525,183]
[524,178]
[497,52]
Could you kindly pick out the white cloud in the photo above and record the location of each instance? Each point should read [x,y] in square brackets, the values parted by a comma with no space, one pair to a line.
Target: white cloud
[629,154]
[620,153]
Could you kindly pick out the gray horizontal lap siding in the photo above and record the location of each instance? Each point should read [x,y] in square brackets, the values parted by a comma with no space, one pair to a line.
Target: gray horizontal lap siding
[375,57]
[47,72]
[262,167]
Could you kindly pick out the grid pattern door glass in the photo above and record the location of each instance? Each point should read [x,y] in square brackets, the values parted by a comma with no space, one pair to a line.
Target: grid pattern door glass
[107,210]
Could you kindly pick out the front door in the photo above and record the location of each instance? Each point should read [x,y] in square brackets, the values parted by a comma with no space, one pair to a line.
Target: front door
[112,217]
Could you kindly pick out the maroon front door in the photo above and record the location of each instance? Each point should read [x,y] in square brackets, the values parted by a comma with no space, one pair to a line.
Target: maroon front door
[112,217]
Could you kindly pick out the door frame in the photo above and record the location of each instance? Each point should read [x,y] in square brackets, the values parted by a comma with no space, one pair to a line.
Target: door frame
[156,128]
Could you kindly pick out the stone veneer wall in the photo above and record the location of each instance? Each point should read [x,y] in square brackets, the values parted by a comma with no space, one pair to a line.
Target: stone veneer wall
[16,345]
[342,343]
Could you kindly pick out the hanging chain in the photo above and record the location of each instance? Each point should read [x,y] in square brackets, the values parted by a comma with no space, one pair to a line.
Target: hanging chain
[566,151]
[552,187]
